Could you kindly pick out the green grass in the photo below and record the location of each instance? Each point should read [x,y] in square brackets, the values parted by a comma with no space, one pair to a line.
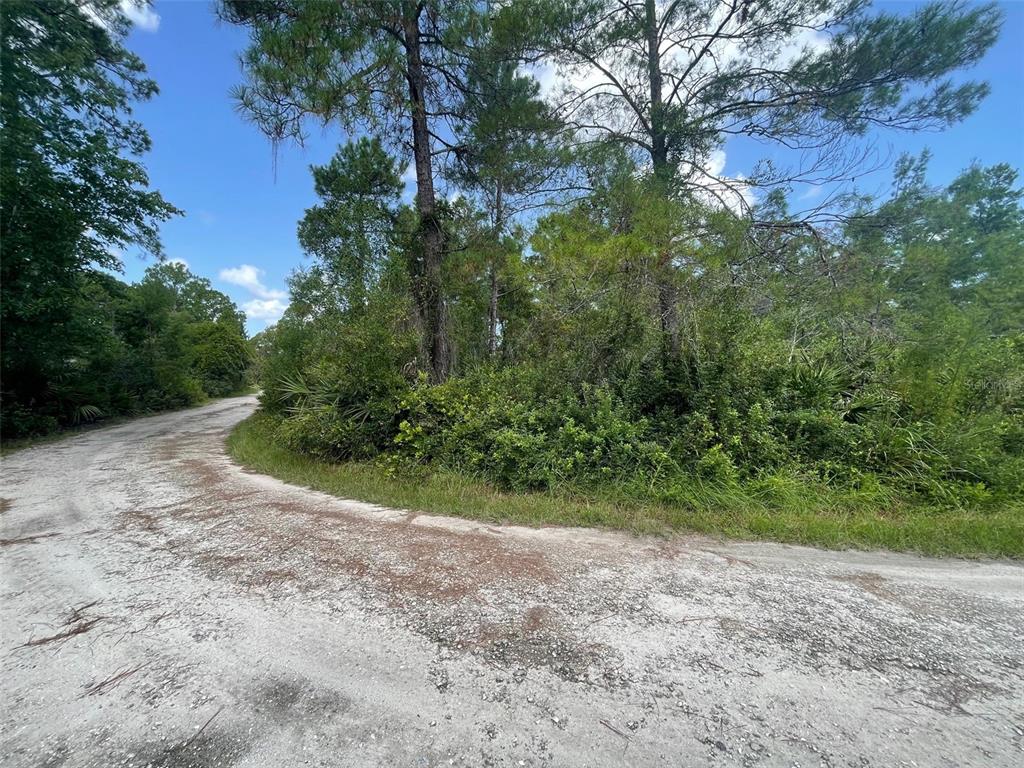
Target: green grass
[781,509]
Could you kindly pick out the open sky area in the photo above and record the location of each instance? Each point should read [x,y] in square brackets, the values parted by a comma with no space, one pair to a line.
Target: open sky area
[242,200]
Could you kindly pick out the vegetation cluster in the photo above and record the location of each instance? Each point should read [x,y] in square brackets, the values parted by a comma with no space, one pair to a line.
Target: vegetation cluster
[599,308]
[887,376]
[78,344]
[575,299]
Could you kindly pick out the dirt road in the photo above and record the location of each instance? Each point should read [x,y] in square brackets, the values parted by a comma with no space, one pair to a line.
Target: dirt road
[161,607]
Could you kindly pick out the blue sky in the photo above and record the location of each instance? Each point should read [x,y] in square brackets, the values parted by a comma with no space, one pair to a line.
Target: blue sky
[242,204]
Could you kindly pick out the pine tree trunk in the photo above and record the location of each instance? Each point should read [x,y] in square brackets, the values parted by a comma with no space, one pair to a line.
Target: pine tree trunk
[430,293]
[668,309]
[668,293]
[659,144]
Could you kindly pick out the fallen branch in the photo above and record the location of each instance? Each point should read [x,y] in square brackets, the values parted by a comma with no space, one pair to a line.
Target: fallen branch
[27,539]
[613,729]
[77,629]
[98,689]
[195,735]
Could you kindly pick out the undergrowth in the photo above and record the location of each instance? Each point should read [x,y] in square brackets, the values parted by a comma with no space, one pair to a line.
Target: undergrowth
[778,508]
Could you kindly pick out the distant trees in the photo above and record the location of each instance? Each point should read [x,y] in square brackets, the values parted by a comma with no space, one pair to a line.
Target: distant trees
[77,343]
[949,263]
[194,295]
[167,341]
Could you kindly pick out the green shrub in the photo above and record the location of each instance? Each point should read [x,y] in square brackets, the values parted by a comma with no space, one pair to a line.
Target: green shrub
[717,466]
[514,428]
[22,421]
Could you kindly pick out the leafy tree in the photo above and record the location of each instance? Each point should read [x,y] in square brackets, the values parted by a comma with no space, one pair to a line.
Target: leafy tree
[353,231]
[671,81]
[946,267]
[195,296]
[219,357]
[74,193]
[510,156]
[186,339]
[370,64]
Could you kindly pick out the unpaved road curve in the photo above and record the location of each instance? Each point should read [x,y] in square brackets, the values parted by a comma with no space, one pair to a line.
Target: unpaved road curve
[162,607]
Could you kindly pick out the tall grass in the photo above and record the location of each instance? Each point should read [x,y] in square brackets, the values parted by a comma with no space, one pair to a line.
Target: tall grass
[777,508]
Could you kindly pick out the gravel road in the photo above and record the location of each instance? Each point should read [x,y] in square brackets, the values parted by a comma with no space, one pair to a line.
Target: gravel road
[162,607]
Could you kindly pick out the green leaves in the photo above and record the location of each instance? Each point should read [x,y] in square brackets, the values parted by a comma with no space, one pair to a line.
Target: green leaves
[74,192]
[672,81]
[354,231]
[68,85]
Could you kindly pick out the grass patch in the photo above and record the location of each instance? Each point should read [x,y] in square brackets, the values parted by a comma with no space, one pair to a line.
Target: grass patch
[779,509]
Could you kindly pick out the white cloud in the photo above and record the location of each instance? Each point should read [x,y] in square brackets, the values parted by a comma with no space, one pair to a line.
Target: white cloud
[269,303]
[808,38]
[138,12]
[813,192]
[409,180]
[715,163]
[177,260]
[264,309]
[141,15]
[738,194]
[716,188]
[546,75]
[250,278]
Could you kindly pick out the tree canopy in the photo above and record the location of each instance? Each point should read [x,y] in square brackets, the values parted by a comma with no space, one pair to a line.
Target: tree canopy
[395,67]
[675,79]
[78,343]
[619,314]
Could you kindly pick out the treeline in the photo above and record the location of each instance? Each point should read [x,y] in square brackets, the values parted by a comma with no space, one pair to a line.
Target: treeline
[77,343]
[892,369]
[168,341]
[600,307]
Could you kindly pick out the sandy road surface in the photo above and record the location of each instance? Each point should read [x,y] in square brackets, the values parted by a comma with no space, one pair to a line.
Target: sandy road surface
[162,607]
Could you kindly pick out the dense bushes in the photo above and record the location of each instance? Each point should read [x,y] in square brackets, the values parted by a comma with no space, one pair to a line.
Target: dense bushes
[165,342]
[508,427]
[869,372]
[503,427]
